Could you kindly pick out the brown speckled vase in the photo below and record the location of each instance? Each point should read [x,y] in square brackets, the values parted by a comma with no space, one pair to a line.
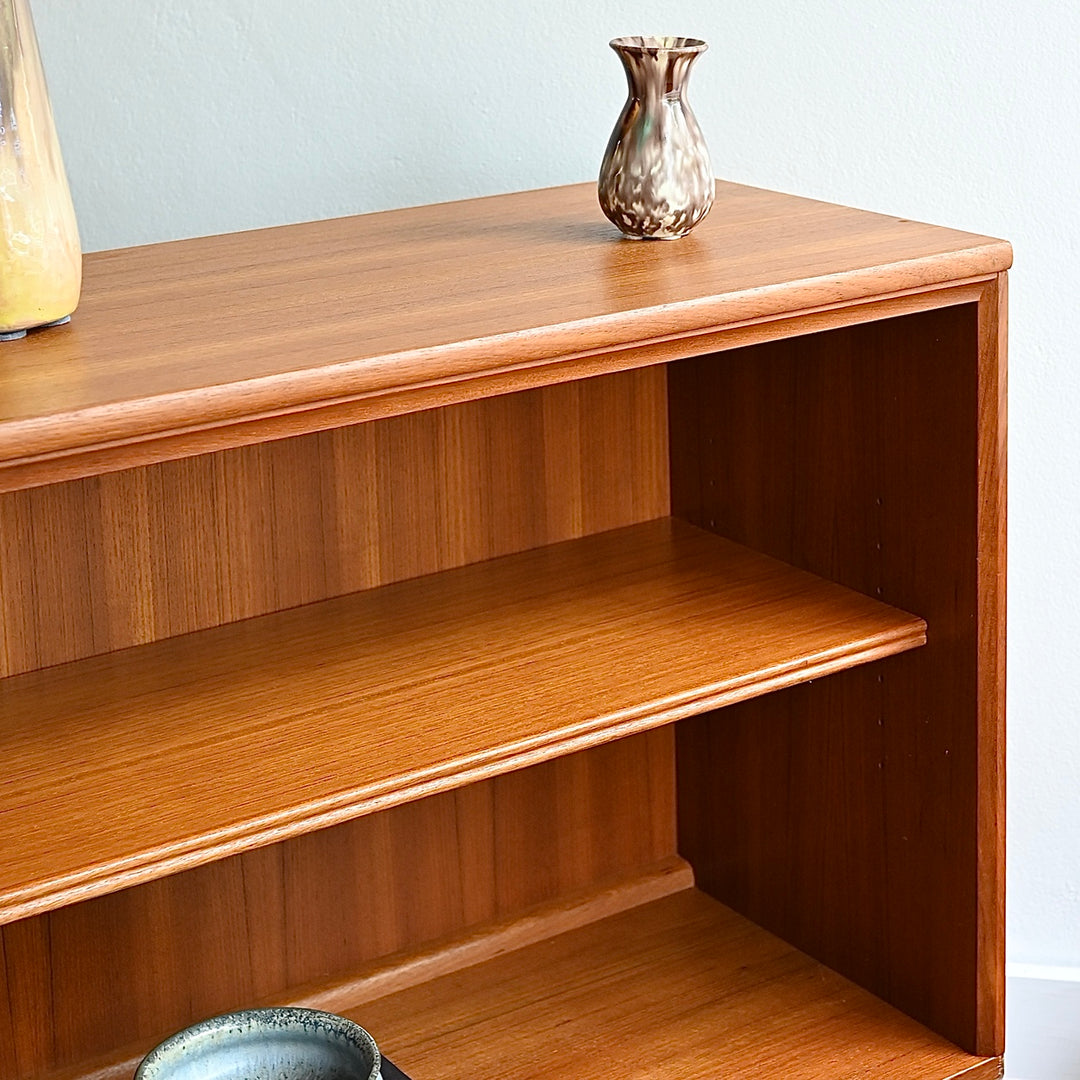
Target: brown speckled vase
[656,181]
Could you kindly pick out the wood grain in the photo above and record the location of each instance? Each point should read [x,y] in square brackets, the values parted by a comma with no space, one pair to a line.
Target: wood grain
[225,331]
[91,566]
[681,987]
[860,817]
[245,734]
[992,535]
[333,917]
[37,469]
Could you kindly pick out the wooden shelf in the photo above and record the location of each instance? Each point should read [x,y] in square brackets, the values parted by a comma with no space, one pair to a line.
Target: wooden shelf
[129,766]
[199,345]
[682,988]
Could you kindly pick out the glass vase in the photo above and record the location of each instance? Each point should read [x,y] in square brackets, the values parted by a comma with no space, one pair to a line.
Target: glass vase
[656,181]
[40,255]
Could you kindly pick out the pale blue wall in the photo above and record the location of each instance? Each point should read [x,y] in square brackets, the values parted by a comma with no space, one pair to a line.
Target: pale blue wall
[203,116]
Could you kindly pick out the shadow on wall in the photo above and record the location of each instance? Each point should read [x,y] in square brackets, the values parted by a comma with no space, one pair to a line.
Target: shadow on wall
[1042,1024]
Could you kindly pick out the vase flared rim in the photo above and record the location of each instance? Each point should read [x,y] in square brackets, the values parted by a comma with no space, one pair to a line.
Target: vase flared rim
[639,43]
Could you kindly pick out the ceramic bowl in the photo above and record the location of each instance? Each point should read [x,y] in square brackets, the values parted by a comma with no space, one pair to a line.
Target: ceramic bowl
[266,1044]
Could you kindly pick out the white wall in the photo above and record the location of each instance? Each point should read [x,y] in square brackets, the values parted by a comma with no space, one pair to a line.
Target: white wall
[1042,1023]
[181,117]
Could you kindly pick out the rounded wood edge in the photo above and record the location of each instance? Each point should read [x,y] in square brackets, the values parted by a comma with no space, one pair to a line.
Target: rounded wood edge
[127,435]
[147,866]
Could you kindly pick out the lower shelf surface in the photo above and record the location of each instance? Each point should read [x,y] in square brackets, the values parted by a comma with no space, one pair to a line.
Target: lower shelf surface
[682,987]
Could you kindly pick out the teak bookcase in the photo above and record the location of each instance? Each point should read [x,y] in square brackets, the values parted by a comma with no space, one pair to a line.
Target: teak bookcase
[557,652]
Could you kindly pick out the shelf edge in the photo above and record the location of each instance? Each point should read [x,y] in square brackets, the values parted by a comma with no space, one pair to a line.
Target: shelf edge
[160,862]
[108,438]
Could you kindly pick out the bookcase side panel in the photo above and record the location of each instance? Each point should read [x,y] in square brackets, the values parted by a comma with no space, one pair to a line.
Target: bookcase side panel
[90,566]
[992,582]
[848,815]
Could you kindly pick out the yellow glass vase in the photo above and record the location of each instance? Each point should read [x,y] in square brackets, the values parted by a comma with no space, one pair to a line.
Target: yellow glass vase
[40,255]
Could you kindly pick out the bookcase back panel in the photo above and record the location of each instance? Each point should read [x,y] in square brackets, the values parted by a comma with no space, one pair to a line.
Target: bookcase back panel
[94,565]
[129,968]
[845,815]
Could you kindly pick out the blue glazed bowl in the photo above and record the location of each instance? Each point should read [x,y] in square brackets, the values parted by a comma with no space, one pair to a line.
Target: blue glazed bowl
[266,1044]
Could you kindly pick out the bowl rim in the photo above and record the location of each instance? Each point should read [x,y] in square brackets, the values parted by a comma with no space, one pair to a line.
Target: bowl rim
[281,1018]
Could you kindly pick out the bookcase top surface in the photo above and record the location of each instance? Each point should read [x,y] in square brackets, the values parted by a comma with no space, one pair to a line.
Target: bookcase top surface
[224,331]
